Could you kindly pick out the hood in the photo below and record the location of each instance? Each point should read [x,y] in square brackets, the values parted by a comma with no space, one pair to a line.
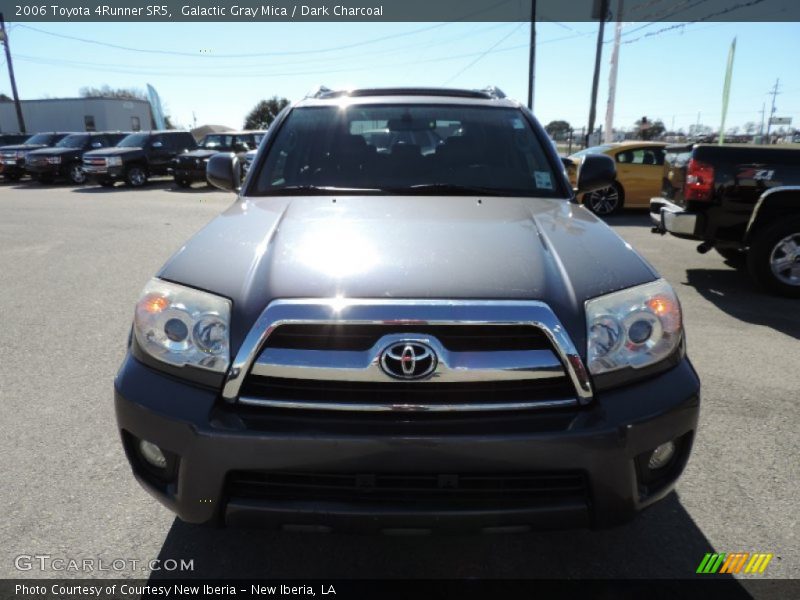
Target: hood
[200,153]
[114,151]
[53,151]
[22,147]
[407,247]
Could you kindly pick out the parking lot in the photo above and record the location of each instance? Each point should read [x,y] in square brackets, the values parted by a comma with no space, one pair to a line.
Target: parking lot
[73,261]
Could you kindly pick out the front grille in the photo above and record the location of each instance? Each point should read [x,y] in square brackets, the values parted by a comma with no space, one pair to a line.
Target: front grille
[408,394]
[36,160]
[95,161]
[456,338]
[448,490]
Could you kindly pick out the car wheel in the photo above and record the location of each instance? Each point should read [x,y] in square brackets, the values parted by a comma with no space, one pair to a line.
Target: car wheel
[774,258]
[76,174]
[183,183]
[136,176]
[604,202]
[733,256]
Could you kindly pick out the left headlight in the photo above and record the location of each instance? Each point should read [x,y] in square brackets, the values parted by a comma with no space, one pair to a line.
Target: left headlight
[183,326]
[54,160]
[633,328]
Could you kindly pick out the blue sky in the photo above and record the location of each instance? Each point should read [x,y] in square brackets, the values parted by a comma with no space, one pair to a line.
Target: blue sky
[671,75]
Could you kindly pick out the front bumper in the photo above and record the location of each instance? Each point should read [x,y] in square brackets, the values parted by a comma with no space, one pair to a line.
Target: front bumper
[669,217]
[104,172]
[39,169]
[208,440]
[13,169]
[189,174]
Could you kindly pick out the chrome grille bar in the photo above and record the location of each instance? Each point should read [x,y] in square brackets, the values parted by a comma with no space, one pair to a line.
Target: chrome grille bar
[386,312]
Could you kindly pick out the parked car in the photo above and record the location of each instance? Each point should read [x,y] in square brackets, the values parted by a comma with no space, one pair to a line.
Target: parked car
[12,158]
[639,168]
[191,166]
[404,342]
[137,157]
[8,139]
[248,161]
[65,158]
[742,201]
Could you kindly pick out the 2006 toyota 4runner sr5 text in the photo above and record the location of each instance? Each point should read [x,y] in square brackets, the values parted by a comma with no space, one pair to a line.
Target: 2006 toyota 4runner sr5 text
[406,323]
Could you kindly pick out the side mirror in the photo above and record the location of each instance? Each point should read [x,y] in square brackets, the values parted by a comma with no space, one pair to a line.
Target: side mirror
[157,145]
[223,171]
[597,171]
[97,145]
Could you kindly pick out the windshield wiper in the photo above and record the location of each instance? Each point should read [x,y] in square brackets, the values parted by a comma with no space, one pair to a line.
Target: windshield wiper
[317,189]
[452,188]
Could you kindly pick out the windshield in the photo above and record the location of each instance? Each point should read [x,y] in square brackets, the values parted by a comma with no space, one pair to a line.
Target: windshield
[217,141]
[593,150]
[40,138]
[73,141]
[435,149]
[134,140]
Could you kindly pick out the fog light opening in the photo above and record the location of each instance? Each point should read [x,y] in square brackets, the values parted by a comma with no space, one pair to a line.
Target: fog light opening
[661,456]
[152,454]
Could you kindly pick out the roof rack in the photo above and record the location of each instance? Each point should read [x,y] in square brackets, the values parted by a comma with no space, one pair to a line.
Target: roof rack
[490,92]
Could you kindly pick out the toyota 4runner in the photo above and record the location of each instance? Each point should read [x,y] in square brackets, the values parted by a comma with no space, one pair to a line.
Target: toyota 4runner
[429,336]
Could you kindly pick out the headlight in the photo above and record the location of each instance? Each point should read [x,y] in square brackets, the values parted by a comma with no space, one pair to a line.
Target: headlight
[114,161]
[183,326]
[633,328]
[54,160]
[21,154]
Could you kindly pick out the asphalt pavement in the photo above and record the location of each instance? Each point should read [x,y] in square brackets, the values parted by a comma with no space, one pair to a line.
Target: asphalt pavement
[72,264]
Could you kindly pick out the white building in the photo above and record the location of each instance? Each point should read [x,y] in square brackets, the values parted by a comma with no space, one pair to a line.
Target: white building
[78,114]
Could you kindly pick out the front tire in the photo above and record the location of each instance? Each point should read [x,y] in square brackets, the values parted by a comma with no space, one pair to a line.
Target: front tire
[605,202]
[774,258]
[76,174]
[136,176]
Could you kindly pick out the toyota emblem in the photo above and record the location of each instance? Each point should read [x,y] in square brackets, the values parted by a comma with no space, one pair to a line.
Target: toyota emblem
[408,360]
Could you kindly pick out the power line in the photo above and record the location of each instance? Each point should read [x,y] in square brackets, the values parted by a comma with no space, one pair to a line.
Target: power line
[484,53]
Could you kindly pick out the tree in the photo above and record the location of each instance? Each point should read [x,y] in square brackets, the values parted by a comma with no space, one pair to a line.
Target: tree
[264,113]
[649,130]
[107,91]
[558,129]
[750,128]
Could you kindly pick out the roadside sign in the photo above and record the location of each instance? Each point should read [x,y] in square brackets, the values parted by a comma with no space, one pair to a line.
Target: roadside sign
[781,120]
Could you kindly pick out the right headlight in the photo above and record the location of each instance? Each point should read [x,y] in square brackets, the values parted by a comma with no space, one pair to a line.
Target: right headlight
[114,161]
[183,326]
[633,328]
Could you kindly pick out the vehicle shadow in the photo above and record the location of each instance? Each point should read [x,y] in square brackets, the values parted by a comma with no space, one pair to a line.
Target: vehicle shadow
[733,292]
[195,189]
[153,184]
[662,542]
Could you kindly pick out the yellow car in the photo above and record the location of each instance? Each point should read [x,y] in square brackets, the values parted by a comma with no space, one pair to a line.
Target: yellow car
[639,176]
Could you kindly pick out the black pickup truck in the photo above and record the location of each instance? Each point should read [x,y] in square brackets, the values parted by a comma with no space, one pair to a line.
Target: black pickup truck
[65,158]
[191,166]
[742,201]
[12,158]
[137,157]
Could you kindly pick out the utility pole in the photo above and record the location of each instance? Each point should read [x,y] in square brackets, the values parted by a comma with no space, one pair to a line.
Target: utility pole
[612,75]
[763,112]
[4,39]
[532,56]
[774,91]
[602,14]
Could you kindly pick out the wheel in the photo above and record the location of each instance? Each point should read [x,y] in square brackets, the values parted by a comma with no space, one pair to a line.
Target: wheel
[774,257]
[605,202]
[76,174]
[136,176]
[106,182]
[183,183]
[733,256]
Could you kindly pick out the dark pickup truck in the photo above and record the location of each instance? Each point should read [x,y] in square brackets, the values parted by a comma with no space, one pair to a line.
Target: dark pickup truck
[12,158]
[191,166]
[742,201]
[65,158]
[137,157]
